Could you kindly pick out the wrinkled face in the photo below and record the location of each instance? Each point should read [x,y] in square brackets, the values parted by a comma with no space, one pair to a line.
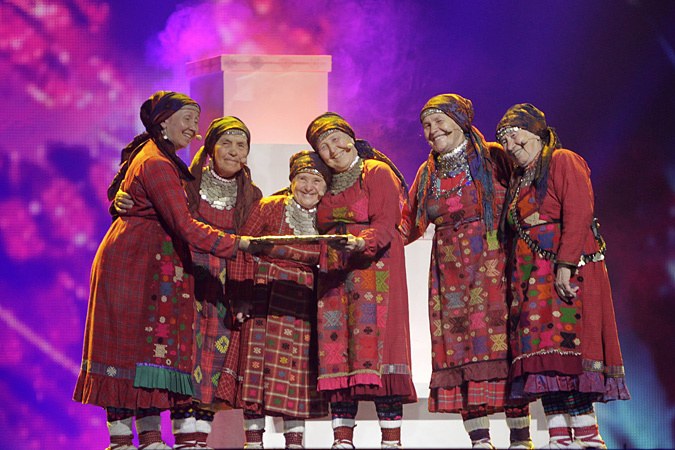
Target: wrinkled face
[307,189]
[522,146]
[229,154]
[442,133]
[182,126]
[337,151]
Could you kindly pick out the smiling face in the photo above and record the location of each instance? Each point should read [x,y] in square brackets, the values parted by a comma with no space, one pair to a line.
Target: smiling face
[337,151]
[229,154]
[441,132]
[182,126]
[307,189]
[522,146]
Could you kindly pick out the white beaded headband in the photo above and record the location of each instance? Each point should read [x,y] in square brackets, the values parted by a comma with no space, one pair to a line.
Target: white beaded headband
[506,130]
[325,134]
[430,111]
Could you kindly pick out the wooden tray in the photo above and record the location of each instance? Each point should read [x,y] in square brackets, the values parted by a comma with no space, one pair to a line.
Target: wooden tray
[307,239]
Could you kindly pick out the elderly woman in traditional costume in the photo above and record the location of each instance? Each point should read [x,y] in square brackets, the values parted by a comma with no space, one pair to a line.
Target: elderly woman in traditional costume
[221,194]
[460,189]
[278,363]
[563,337]
[137,357]
[363,329]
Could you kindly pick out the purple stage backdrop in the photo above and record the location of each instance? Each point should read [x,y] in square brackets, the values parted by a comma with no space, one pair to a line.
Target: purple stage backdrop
[74,73]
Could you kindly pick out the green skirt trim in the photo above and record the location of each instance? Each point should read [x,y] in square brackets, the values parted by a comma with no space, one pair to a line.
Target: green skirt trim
[159,377]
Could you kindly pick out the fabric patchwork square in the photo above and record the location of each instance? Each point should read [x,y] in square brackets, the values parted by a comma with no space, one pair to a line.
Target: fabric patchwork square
[197,374]
[499,342]
[167,247]
[476,244]
[478,320]
[480,344]
[368,313]
[454,300]
[448,253]
[342,213]
[568,315]
[333,320]
[546,240]
[458,324]
[367,280]
[567,339]
[491,268]
[476,296]
[333,353]
[546,339]
[382,281]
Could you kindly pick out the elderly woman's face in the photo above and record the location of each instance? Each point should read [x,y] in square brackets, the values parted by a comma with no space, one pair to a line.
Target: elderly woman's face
[307,189]
[441,132]
[229,154]
[337,151]
[182,126]
[522,146]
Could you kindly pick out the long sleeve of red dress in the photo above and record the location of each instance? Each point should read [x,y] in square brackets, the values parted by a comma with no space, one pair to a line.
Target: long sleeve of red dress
[573,193]
[384,208]
[161,189]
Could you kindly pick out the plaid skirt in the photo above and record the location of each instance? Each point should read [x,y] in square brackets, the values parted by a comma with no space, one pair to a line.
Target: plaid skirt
[279,363]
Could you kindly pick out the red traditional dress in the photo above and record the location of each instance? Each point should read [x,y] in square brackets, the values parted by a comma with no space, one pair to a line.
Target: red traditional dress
[559,344]
[214,330]
[138,337]
[467,285]
[363,325]
[278,370]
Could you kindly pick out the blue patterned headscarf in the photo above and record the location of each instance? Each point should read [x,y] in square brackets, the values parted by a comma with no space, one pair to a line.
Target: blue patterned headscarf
[460,110]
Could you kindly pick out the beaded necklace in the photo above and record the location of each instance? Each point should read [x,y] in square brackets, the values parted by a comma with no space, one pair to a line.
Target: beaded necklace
[346,179]
[452,162]
[448,165]
[300,219]
[217,191]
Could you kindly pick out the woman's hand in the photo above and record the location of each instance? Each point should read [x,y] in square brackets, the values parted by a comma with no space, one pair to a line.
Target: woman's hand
[241,317]
[245,245]
[122,202]
[354,244]
[562,283]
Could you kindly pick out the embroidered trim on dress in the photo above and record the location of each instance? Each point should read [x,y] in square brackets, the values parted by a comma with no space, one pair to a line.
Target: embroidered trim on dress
[217,191]
[398,369]
[546,351]
[342,181]
[107,370]
[593,365]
